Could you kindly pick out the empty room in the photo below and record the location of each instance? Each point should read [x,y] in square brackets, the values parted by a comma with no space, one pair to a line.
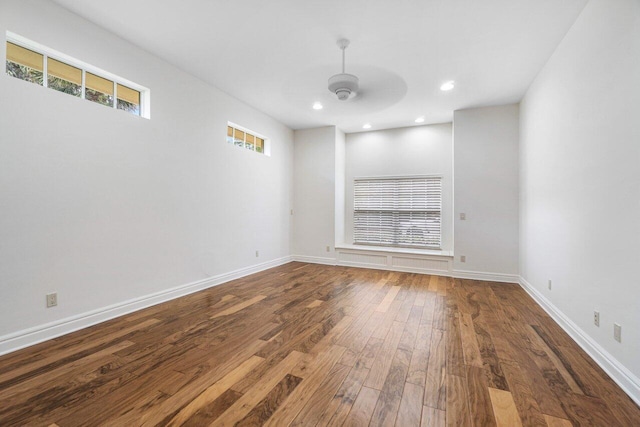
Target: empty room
[320,213]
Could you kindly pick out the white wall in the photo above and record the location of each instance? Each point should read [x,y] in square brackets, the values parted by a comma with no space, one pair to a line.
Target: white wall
[101,206]
[314,193]
[340,186]
[418,150]
[580,180]
[486,190]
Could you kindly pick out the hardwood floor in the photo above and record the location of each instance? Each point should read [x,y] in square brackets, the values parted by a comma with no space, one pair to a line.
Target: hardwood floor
[305,344]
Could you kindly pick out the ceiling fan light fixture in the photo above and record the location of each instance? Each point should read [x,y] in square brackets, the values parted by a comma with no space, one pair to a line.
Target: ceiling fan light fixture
[344,85]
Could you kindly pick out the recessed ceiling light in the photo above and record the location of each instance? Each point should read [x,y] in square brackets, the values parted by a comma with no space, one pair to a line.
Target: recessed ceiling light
[447,85]
[317,106]
[366,126]
[420,120]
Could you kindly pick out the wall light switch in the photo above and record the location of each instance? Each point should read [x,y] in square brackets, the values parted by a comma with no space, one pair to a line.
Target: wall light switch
[463,216]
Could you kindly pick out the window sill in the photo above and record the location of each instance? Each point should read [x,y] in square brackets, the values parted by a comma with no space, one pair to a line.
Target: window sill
[387,249]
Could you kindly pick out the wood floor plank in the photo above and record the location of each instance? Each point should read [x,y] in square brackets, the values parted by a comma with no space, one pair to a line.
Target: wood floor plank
[338,409]
[432,417]
[263,410]
[314,303]
[540,390]
[504,408]
[205,415]
[236,308]
[418,367]
[410,411]
[386,409]
[563,369]
[67,355]
[478,397]
[310,413]
[215,390]
[435,390]
[526,403]
[557,422]
[490,360]
[456,402]
[382,363]
[253,397]
[25,388]
[454,354]
[363,407]
[319,345]
[368,355]
[297,400]
[185,395]
[470,347]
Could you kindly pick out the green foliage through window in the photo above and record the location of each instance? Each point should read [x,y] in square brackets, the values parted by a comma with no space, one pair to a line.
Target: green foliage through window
[24,73]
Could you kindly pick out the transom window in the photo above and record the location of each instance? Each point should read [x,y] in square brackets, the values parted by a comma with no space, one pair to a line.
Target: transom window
[402,212]
[241,137]
[29,61]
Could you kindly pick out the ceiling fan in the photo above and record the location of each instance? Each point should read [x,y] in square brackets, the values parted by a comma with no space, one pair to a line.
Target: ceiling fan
[344,85]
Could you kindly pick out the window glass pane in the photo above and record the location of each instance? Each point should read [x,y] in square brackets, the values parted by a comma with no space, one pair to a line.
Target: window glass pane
[259,145]
[229,134]
[99,90]
[24,64]
[128,100]
[238,138]
[250,141]
[64,77]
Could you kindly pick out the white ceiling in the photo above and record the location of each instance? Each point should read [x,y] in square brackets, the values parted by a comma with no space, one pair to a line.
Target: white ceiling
[277,55]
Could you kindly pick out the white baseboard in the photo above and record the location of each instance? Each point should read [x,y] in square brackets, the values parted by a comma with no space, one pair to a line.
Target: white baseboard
[389,265]
[618,372]
[393,268]
[314,259]
[40,333]
[488,277]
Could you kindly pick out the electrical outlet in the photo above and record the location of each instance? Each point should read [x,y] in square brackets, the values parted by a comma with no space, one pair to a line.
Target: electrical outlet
[328,248]
[52,300]
[291,211]
[596,318]
[549,284]
[257,254]
[617,332]
[463,258]
[463,216]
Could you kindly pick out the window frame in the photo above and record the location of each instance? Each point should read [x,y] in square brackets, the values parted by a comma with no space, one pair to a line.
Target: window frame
[266,150]
[438,246]
[145,93]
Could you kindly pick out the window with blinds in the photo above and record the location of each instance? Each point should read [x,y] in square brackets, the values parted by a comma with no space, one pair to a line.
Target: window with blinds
[401,212]
[27,60]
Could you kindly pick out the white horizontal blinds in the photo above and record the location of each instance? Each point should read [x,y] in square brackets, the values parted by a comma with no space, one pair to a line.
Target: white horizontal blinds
[398,211]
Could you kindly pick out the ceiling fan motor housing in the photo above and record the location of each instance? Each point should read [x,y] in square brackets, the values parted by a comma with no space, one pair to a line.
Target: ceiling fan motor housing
[343,85]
